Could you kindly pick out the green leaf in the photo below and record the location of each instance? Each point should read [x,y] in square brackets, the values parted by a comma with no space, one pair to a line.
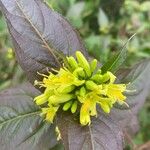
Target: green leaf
[98,46]
[103,21]
[145,6]
[74,14]
[21,127]
[112,7]
[117,60]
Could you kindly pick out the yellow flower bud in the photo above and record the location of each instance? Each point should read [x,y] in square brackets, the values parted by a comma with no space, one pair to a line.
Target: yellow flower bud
[74,107]
[90,85]
[82,91]
[72,62]
[67,105]
[106,77]
[93,65]
[97,78]
[78,82]
[57,99]
[65,89]
[83,63]
[43,98]
[79,72]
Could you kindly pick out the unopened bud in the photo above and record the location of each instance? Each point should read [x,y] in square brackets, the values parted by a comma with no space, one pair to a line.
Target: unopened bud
[90,85]
[83,63]
[93,65]
[82,91]
[79,72]
[106,77]
[57,99]
[65,89]
[72,62]
[67,106]
[74,107]
[97,78]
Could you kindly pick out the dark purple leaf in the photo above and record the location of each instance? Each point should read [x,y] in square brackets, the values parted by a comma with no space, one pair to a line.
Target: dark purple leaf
[138,77]
[104,133]
[41,36]
[21,127]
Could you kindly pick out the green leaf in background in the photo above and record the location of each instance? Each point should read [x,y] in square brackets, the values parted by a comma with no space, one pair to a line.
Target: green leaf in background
[74,14]
[117,60]
[98,46]
[2,25]
[21,127]
[112,7]
[103,21]
[145,6]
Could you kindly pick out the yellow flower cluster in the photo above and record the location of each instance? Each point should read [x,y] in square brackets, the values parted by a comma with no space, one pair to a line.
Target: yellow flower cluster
[79,87]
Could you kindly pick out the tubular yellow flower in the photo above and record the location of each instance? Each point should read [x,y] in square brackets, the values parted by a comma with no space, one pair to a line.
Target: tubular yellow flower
[106,104]
[79,88]
[115,91]
[43,98]
[50,113]
[85,113]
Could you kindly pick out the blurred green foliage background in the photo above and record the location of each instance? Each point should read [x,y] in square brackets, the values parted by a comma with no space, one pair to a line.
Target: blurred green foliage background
[105,26]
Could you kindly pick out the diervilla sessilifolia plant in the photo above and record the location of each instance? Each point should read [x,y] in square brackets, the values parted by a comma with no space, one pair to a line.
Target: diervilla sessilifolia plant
[79,87]
[43,39]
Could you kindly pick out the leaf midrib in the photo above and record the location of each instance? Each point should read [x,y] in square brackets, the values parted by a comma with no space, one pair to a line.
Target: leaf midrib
[91,137]
[38,32]
[20,116]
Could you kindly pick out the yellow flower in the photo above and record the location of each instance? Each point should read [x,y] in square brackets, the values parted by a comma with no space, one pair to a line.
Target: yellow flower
[50,113]
[79,88]
[63,78]
[106,104]
[88,108]
[115,91]
[43,98]
[85,112]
